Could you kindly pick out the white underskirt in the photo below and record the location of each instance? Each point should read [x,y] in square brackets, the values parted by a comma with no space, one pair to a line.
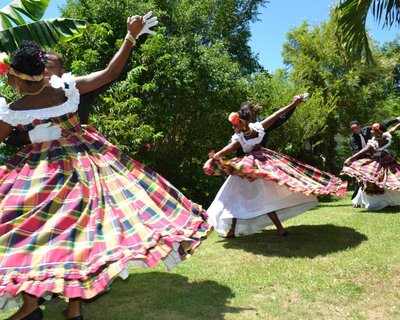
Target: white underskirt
[377,201]
[249,202]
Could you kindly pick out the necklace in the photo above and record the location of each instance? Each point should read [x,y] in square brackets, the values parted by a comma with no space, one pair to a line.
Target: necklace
[36,92]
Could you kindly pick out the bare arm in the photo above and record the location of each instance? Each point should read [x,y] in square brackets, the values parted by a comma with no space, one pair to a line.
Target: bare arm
[393,129]
[232,147]
[269,121]
[5,130]
[17,138]
[97,79]
[366,149]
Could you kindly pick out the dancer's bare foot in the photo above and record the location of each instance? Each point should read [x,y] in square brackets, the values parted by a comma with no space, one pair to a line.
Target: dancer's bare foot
[280,230]
[283,234]
[231,231]
[229,234]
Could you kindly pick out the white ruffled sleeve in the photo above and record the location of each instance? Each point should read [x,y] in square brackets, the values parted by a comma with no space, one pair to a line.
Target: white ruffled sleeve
[374,144]
[388,137]
[236,137]
[4,111]
[68,84]
[257,126]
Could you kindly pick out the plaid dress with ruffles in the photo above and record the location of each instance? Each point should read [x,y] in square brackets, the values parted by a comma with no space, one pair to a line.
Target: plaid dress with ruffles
[379,169]
[272,182]
[278,167]
[76,212]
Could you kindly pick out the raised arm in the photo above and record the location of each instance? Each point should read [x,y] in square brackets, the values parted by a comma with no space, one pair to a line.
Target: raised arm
[388,123]
[97,79]
[231,147]
[281,120]
[269,121]
[393,129]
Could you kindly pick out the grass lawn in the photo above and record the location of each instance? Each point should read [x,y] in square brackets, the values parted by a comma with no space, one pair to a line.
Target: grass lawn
[337,263]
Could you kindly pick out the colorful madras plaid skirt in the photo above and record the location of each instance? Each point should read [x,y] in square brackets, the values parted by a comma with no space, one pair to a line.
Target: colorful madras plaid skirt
[383,171]
[75,212]
[278,167]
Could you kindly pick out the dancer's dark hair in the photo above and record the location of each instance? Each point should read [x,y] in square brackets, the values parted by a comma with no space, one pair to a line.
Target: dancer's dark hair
[28,58]
[246,114]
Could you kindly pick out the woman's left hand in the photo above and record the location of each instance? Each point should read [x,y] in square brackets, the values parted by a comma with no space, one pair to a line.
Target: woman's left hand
[347,162]
[135,25]
[215,156]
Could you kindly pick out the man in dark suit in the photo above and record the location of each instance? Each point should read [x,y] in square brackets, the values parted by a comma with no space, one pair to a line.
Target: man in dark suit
[359,138]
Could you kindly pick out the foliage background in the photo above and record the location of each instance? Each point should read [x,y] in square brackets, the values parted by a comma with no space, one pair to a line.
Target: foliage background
[169,108]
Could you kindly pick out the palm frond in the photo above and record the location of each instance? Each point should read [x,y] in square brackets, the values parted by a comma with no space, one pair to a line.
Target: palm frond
[33,9]
[47,33]
[352,17]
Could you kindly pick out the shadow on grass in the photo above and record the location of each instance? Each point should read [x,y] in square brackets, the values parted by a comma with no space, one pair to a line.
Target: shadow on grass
[155,295]
[387,210]
[330,205]
[306,241]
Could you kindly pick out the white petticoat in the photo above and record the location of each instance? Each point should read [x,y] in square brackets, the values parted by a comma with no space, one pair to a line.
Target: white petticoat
[249,202]
[377,201]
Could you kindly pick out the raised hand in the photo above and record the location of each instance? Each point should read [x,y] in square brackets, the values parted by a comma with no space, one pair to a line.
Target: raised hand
[135,25]
[149,22]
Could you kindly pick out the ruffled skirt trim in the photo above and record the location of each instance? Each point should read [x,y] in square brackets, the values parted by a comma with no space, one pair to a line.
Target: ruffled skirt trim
[280,168]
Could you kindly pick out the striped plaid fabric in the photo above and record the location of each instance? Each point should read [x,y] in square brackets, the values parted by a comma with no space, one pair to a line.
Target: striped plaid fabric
[383,171]
[278,167]
[76,211]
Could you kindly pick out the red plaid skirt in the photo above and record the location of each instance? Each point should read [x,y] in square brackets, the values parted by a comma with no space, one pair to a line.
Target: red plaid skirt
[383,172]
[278,167]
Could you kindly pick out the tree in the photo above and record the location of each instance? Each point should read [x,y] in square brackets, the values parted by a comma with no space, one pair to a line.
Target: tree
[359,91]
[14,29]
[191,75]
[352,17]
[301,135]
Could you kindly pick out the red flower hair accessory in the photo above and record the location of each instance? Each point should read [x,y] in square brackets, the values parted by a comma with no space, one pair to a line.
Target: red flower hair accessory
[234,118]
[376,127]
[4,64]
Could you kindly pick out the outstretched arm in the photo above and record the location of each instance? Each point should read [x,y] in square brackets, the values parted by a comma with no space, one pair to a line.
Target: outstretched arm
[388,123]
[393,129]
[231,147]
[281,120]
[360,153]
[97,79]
[269,121]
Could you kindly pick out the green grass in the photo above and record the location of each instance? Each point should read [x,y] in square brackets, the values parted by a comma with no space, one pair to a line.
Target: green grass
[337,263]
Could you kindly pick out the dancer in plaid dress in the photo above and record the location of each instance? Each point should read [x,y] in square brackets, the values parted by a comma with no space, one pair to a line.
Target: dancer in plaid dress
[263,185]
[76,212]
[376,171]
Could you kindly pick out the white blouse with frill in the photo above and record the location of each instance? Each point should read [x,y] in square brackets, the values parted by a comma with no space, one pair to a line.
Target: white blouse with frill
[24,117]
[249,144]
